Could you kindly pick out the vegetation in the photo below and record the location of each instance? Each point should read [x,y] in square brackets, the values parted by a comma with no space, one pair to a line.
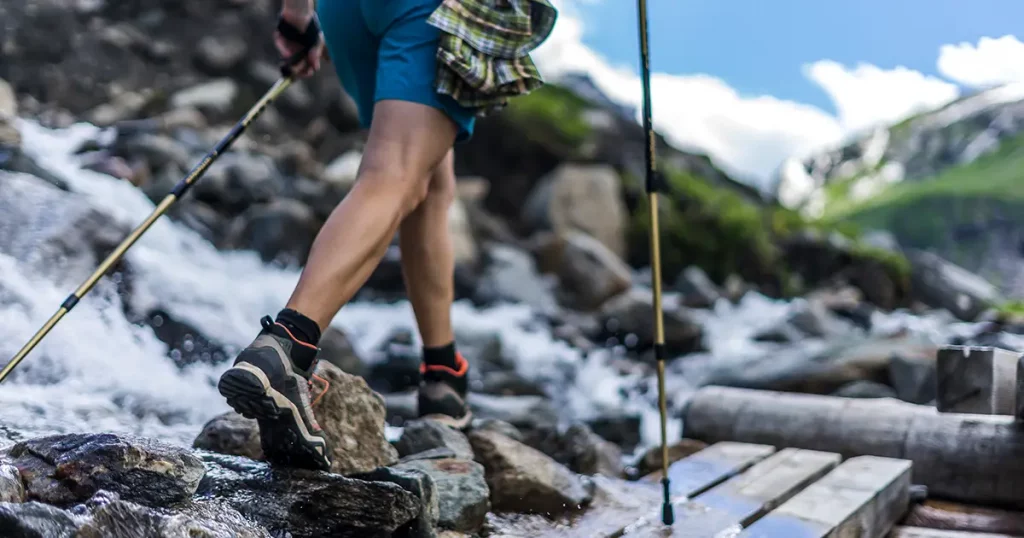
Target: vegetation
[552,114]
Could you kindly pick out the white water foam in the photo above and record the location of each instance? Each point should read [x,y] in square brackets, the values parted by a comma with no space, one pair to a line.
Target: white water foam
[97,372]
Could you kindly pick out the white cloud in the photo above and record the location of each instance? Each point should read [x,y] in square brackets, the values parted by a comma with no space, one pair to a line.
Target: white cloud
[994,61]
[750,136]
[868,95]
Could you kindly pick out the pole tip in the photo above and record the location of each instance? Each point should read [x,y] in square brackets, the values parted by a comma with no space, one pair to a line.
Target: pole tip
[668,516]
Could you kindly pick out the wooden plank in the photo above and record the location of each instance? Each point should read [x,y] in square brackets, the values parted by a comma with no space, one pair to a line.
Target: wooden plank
[974,379]
[925,532]
[742,499]
[864,496]
[975,459]
[617,504]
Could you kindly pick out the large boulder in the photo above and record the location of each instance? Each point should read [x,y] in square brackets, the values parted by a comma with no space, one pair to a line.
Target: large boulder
[63,469]
[585,198]
[589,272]
[463,496]
[524,480]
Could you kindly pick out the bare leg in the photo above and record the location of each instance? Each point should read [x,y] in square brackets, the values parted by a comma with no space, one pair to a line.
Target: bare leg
[428,259]
[406,142]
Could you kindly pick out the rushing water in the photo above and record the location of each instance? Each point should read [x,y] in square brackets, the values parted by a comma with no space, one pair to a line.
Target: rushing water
[97,371]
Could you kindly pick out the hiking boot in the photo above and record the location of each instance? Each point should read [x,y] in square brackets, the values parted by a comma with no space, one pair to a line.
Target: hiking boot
[442,394]
[265,384]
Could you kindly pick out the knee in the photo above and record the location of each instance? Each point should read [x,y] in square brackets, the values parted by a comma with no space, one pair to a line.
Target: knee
[408,187]
[441,189]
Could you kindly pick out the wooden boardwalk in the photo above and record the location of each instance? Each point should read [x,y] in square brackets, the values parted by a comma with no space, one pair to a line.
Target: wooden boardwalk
[748,490]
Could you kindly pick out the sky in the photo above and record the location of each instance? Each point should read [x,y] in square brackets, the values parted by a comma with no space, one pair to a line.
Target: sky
[754,82]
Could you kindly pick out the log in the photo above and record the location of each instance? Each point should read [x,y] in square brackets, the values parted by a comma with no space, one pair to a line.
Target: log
[975,459]
[925,532]
[972,379]
[865,496]
[961,517]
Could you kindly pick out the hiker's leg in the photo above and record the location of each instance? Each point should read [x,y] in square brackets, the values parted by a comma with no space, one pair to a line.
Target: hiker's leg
[405,144]
[428,259]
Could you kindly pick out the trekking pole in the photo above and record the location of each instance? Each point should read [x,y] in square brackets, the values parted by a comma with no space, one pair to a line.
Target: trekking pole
[653,185]
[179,190]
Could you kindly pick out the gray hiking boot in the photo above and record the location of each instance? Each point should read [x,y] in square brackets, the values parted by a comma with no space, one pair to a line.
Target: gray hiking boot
[265,384]
[442,394]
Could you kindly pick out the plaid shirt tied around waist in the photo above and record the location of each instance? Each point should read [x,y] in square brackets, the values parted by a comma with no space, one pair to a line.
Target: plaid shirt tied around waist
[483,57]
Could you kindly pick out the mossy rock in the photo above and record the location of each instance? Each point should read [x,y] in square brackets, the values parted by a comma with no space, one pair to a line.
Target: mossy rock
[552,115]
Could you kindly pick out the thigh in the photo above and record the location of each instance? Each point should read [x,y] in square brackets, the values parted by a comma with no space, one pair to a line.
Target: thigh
[408,140]
[353,50]
[407,59]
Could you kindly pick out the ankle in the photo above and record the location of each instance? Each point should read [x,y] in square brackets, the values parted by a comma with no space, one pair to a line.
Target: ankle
[442,356]
[306,335]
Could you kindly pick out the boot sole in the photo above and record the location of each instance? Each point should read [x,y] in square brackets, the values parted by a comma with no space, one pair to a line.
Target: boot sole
[283,435]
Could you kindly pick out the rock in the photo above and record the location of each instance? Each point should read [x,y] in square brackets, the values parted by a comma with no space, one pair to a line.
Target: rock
[865,389]
[124,106]
[281,231]
[8,101]
[422,435]
[587,270]
[216,96]
[37,520]
[61,469]
[814,319]
[650,462]
[219,54]
[941,284]
[336,349]
[9,135]
[630,317]
[620,427]
[696,288]
[353,418]
[420,484]
[308,503]
[585,198]
[121,519]
[464,498]
[505,383]
[187,345]
[159,151]
[580,449]
[232,434]
[524,480]
[497,426]
[11,488]
[237,181]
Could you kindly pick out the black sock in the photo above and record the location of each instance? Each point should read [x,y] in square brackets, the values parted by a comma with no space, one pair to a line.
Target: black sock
[441,356]
[303,329]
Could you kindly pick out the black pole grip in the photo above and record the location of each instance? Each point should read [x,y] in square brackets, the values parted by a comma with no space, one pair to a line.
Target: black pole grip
[307,39]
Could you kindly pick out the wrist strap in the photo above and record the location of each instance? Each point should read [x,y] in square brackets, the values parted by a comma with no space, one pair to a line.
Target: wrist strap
[307,39]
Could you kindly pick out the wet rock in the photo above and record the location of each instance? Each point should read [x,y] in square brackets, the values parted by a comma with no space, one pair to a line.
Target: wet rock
[420,484]
[696,288]
[401,407]
[187,345]
[343,170]
[619,427]
[353,418]
[463,495]
[865,389]
[158,151]
[589,272]
[37,520]
[336,349]
[650,462]
[281,231]
[11,488]
[237,181]
[306,503]
[61,469]
[8,101]
[121,519]
[232,434]
[630,318]
[524,480]
[814,319]
[124,106]
[586,198]
[503,383]
[422,435]
[578,448]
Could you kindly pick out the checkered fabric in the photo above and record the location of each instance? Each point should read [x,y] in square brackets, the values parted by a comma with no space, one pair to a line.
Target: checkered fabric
[485,45]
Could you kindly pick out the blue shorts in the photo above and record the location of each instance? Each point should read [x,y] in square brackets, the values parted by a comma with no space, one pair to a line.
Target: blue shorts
[384,49]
